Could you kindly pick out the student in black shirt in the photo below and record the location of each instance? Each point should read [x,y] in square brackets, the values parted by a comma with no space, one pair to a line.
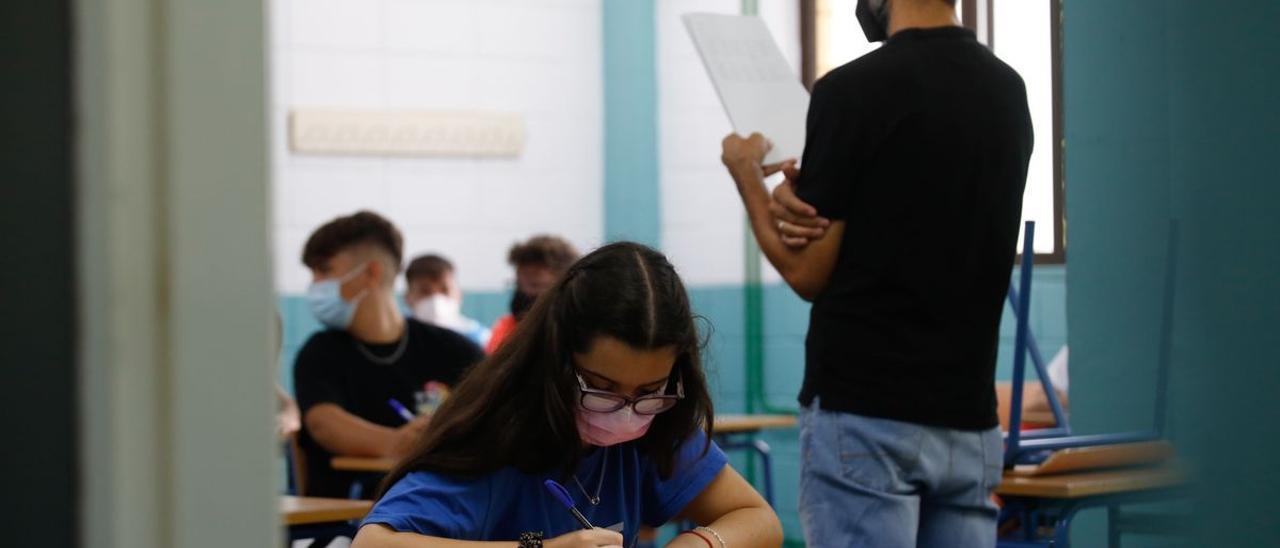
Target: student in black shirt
[915,159]
[345,375]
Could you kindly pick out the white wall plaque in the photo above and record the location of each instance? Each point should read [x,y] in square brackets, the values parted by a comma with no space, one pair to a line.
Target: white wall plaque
[405,132]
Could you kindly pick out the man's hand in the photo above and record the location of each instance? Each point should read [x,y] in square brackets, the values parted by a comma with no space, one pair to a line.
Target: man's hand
[798,222]
[740,154]
[743,156]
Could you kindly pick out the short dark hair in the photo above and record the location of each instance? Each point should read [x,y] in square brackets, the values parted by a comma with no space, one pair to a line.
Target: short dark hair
[432,267]
[546,250]
[359,228]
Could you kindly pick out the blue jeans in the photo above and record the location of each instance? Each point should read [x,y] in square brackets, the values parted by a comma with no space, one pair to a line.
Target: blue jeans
[887,484]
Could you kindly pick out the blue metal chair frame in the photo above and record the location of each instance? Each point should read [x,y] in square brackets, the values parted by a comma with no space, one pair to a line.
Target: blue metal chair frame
[1034,447]
[747,441]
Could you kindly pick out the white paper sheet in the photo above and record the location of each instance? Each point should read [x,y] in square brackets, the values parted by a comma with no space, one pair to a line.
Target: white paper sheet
[759,90]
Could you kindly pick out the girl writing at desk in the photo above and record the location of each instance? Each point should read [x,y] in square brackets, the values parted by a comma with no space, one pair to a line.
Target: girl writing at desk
[600,389]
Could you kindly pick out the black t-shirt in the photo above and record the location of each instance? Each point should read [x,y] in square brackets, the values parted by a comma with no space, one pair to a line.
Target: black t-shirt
[332,368]
[921,147]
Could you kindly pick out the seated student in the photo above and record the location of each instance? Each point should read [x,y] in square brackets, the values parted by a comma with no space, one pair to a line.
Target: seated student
[539,262]
[345,375]
[600,389]
[434,297]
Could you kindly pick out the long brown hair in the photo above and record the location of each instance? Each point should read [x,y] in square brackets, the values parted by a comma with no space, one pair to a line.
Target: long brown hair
[517,407]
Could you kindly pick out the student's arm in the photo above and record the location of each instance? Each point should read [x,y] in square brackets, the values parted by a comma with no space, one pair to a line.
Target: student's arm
[345,434]
[806,269]
[376,535]
[733,509]
[287,419]
[322,393]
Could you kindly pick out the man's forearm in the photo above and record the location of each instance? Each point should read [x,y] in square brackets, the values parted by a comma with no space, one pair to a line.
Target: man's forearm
[806,270]
[755,197]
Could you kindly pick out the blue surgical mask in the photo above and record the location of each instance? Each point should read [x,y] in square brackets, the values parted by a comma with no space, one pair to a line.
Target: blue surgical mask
[327,304]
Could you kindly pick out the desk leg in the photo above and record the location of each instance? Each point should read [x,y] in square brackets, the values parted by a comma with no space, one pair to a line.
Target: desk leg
[766,461]
[1113,532]
[1062,527]
[760,448]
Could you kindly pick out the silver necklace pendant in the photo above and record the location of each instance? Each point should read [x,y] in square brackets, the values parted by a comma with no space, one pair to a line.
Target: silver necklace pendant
[604,462]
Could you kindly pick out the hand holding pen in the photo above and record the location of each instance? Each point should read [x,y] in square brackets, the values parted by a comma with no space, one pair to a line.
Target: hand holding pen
[590,536]
[406,435]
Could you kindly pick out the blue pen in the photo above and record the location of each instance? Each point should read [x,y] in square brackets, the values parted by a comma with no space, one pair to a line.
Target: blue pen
[561,494]
[400,410]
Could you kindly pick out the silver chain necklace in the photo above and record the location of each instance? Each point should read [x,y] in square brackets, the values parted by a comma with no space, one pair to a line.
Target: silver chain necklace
[604,463]
[395,354]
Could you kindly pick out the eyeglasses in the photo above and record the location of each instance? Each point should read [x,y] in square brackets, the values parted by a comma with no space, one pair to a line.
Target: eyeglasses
[603,401]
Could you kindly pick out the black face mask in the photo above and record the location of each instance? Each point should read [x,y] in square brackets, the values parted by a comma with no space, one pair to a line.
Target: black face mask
[521,302]
[874,20]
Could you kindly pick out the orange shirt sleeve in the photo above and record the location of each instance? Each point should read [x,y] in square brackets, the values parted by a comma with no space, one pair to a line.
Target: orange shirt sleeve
[501,330]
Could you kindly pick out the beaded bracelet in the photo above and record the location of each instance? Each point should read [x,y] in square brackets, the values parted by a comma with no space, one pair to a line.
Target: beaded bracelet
[701,536]
[531,539]
[714,534]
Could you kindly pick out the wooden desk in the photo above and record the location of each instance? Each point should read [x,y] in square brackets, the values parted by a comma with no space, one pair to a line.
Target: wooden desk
[380,465]
[313,510]
[724,424]
[1089,484]
[736,424]
[1041,419]
[1028,500]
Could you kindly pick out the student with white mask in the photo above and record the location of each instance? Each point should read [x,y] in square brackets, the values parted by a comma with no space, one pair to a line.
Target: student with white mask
[346,375]
[434,297]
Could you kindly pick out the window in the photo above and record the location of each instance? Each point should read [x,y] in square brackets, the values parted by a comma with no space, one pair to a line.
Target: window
[1023,33]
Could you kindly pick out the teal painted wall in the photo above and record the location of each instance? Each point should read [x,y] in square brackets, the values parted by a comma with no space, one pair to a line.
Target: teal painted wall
[1170,114]
[630,122]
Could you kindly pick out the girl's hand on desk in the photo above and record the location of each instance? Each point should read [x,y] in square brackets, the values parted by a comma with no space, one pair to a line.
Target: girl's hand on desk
[593,538]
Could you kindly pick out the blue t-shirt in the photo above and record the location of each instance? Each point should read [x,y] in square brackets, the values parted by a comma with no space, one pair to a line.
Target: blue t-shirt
[506,503]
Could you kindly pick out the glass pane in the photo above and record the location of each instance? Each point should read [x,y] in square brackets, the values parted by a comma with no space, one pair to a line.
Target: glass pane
[837,36]
[1022,39]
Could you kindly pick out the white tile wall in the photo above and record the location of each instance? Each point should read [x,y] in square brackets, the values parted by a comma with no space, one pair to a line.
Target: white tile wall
[702,217]
[541,59]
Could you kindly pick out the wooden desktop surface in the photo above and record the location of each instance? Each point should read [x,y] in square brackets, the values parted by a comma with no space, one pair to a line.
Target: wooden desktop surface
[1094,483]
[724,424]
[311,510]
[733,424]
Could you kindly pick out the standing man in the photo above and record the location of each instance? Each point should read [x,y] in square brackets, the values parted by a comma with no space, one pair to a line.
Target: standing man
[915,160]
[346,375]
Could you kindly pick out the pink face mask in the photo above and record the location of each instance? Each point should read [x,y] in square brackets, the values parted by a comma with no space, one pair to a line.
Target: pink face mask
[605,429]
